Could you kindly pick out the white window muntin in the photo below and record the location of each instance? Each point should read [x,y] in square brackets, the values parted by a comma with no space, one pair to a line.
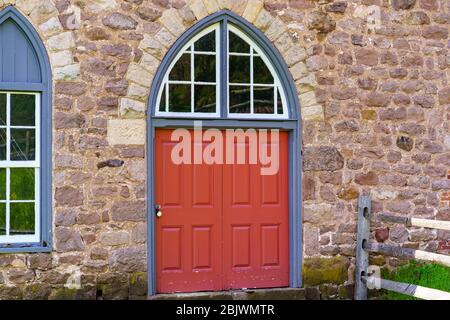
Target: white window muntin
[189,48]
[256,51]
[8,164]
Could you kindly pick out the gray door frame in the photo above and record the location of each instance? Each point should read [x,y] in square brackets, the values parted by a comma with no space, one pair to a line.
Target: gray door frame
[292,125]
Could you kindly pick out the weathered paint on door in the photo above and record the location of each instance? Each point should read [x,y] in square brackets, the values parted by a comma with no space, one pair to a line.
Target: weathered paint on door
[222,226]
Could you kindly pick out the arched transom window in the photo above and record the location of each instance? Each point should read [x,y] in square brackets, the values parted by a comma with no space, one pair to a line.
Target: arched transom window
[221,73]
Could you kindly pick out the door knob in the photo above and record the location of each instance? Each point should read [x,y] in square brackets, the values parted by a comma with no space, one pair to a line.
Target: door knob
[158,211]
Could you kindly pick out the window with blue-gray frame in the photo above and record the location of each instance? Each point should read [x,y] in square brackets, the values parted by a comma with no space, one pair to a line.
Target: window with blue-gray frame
[25,136]
[196,84]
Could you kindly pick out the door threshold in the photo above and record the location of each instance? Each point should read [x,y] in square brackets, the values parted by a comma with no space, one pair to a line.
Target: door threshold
[243,294]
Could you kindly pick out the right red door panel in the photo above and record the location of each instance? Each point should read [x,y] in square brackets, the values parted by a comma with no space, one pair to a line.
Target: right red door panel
[256,224]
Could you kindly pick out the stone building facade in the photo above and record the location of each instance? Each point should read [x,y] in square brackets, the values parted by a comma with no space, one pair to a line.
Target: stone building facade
[372,77]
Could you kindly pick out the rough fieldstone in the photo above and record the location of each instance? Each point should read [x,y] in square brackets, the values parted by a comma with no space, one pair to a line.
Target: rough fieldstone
[120,21]
[382,234]
[114,238]
[112,163]
[405,143]
[322,158]
[41,261]
[418,18]
[132,259]
[92,218]
[91,142]
[338,6]
[117,86]
[317,213]
[122,51]
[325,270]
[68,196]
[10,292]
[70,88]
[148,13]
[67,121]
[403,4]
[97,33]
[368,179]
[20,275]
[128,211]
[37,291]
[444,95]
[99,253]
[139,233]
[435,32]
[65,218]
[68,240]
[348,193]
[132,152]
[368,57]
[321,22]
[440,185]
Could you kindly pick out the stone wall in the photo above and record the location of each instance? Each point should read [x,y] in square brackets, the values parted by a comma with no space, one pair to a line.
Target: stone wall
[373,82]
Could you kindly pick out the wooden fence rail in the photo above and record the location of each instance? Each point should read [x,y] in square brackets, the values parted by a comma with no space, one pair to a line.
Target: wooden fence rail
[407,288]
[364,247]
[407,253]
[415,222]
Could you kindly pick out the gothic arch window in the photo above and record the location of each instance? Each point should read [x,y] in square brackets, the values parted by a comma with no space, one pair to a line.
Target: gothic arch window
[25,136]
[221,72]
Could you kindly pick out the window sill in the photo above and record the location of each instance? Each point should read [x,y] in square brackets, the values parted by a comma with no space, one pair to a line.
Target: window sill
[25,248]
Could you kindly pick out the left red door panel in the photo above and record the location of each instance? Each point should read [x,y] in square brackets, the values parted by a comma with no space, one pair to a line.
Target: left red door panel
[188,234]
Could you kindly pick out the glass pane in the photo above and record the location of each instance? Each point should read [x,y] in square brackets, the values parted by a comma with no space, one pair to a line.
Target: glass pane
[181,71]
[180,97]
[239,69]
[21,218]
[263,99]
[2,219]
[279,103]
[239,99]
[162,101]
[205,98]
[205,68]
[236,44]
[23,110]
[2,109]
[206,43]
[2,144]
[23,144]
[261,73]
[22,183]
[2,184]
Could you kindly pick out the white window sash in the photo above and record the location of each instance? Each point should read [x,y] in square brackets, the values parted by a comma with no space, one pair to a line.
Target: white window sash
[189,49]
[8,164]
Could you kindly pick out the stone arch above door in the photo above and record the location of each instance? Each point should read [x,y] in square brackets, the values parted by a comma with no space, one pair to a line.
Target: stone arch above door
[140,75]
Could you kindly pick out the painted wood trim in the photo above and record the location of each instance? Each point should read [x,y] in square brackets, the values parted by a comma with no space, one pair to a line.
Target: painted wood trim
[45,88]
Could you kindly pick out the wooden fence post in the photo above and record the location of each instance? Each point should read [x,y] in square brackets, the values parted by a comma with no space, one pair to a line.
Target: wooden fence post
[362,255]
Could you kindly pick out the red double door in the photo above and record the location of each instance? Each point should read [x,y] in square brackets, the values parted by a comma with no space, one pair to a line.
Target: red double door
[222,226]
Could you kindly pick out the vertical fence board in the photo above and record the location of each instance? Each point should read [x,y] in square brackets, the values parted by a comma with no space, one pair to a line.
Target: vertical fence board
[362,256]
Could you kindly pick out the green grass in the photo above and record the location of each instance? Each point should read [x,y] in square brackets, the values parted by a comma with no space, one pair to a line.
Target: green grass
[428,275]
